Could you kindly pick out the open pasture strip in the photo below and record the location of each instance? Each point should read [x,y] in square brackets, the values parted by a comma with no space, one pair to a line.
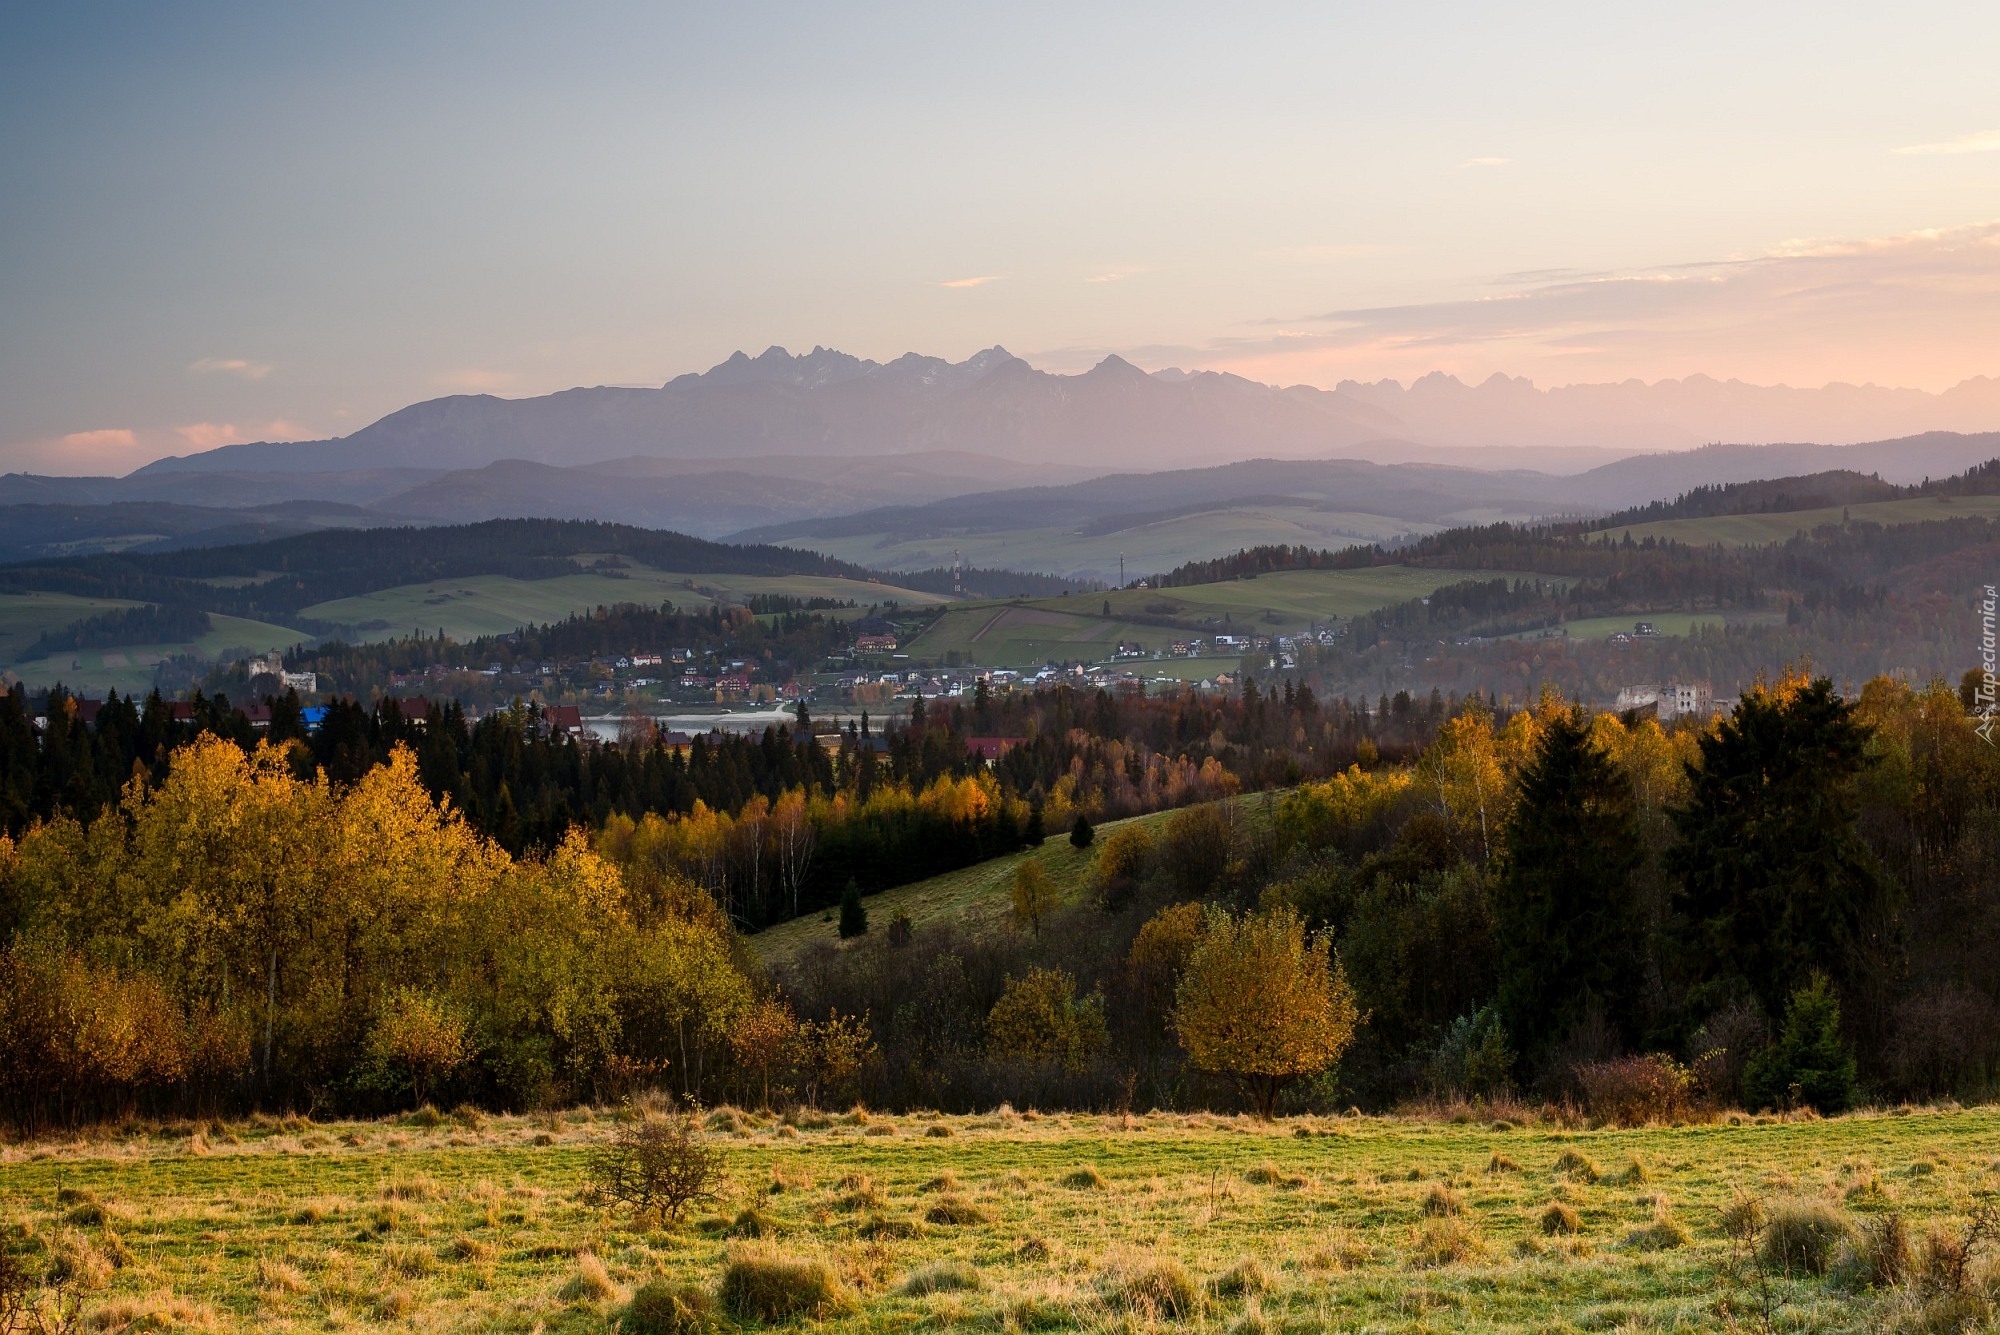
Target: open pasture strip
[1005,1220]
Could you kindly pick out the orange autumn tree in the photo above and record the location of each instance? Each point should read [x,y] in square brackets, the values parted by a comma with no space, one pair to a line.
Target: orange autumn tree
[1263,1002]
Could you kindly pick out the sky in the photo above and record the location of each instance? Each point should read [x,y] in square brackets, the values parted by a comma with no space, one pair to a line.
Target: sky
[224,222]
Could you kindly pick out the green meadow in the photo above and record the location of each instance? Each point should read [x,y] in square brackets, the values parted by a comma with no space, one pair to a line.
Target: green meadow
[1014,1221]
[1027,632]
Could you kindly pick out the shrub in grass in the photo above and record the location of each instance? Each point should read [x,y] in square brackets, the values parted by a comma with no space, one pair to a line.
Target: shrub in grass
[1085,1179]
[1803,1237]
[424,1118]
[1243,1279]
[1161,1289]
[954,1210]
[1561,1220]
[1441,1200]
[656,1165]
[941,1277]
[1447,1241]
[660,1308]
[1576,1167]
[1878,1256]
[761,1285]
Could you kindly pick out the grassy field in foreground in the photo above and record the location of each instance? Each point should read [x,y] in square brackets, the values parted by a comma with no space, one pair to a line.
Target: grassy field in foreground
[997,1222]
[1755,530]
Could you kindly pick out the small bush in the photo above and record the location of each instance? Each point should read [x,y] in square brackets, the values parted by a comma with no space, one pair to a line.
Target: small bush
[425,1118]
[1561,1220]
[1085,1179]
[1243,1279]
[1162,1289]
[760,1285]
[1576,1167]
[1633,1091]
[1803,1237]
[657,1166]
[1441,1200]
[660,1308]
[941,1277]
[954,1211]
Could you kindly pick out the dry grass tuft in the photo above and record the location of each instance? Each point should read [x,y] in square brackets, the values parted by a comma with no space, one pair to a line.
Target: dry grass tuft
[160,1311]
[274,1276]
[1743,1217]
[941,1277]
[660,1308]
[1446,1241]
[1576,1167]
[1247,1277]
[883,1228]
[945,1181]
[409,1261]
[1441,1200]
[1265,1174]
[1633,1174]
[1803,1236]
[1086,1178]
[939,1131]
[591,1282]
[759,1284]
[464,1248]
[1561,1220]
[1878,1256]
[1162,1290]
[954,1210]
[1662,1233]
[1500,1163]
[753,1223]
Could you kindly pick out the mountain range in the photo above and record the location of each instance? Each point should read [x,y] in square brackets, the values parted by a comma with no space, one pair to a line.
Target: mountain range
[1114,416]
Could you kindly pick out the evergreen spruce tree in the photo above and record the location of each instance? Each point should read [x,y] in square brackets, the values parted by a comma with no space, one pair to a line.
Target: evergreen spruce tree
[1775,880]
[853,913]
[1808,1066]
[1034,834]
[1080,834]
[1565,914]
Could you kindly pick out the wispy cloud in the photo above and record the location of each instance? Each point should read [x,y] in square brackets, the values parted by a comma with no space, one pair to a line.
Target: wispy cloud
[1485,162]
[1917,307]
[1115,275]
[249,370]
[112,438]
[209,435]
[980,281]
[1980,141]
